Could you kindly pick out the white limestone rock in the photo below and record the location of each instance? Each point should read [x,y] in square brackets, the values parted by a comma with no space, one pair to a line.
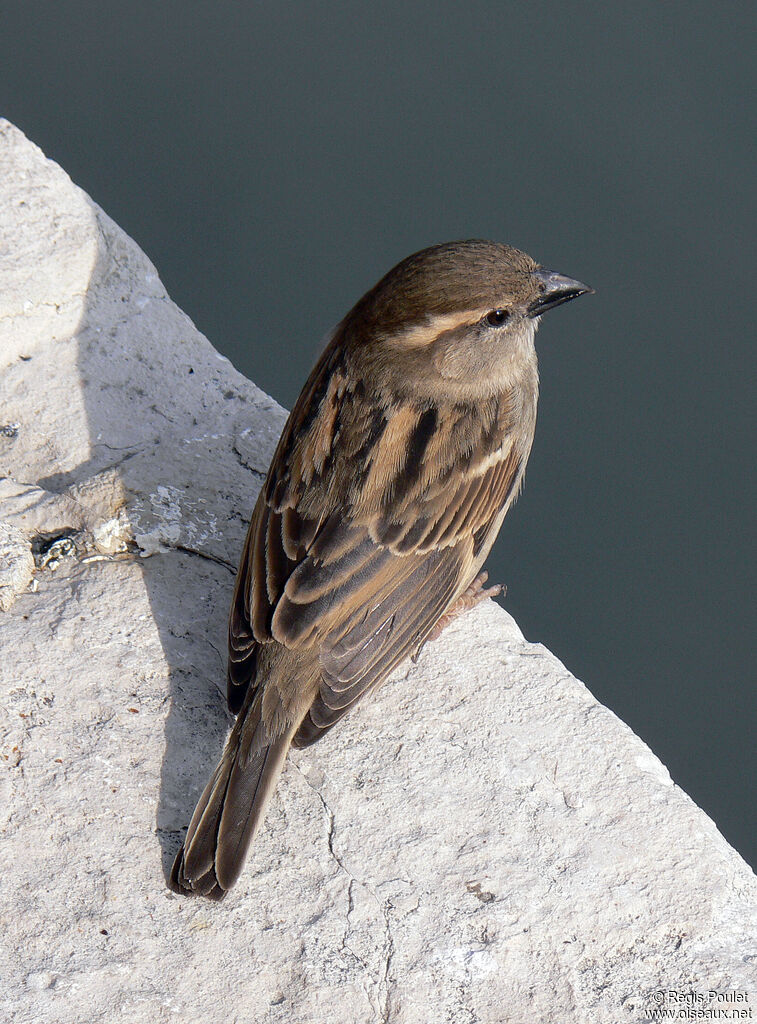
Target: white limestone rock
[479,842]
[16,564]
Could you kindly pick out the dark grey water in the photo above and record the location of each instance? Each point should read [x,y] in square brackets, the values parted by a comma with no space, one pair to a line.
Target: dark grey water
[274,160]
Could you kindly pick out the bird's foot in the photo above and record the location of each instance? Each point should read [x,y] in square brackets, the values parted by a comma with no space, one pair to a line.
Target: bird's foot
[475,594]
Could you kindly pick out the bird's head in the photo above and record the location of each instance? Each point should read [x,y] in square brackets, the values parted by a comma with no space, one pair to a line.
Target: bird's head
[459,317]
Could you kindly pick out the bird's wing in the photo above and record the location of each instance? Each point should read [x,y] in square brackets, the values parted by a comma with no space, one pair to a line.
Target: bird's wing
[369,525]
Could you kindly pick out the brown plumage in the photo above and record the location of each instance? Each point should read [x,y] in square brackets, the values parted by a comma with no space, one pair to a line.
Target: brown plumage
[386,491]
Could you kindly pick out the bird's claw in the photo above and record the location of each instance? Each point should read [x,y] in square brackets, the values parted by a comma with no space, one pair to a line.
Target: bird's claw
[475,594]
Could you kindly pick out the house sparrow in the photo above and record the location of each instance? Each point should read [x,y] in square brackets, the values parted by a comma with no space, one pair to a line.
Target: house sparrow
[388,487]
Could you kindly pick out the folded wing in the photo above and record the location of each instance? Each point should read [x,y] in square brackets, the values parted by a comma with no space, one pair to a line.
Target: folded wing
[369,525]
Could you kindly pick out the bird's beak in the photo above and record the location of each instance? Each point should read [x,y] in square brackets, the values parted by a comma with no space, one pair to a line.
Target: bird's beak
[554,289]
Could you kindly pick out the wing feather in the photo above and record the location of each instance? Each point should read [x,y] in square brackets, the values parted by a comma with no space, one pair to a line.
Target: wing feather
[367,528]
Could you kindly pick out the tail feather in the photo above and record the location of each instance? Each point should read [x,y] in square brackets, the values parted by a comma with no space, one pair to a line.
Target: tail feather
[231,808]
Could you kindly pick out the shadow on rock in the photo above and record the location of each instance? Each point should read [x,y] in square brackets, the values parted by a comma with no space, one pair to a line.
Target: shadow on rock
[189,439]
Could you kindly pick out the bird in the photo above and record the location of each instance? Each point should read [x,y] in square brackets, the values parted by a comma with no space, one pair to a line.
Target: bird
[391,479]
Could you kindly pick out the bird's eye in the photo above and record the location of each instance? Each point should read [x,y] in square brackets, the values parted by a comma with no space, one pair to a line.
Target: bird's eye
[497,317]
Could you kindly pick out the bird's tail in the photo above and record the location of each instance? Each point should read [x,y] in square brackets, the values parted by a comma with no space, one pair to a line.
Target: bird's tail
[231,808]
